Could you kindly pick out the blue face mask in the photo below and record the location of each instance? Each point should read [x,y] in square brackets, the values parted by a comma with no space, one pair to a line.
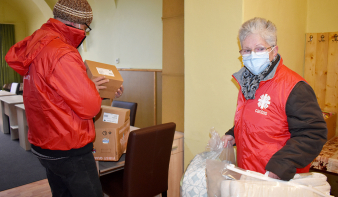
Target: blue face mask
[256,62]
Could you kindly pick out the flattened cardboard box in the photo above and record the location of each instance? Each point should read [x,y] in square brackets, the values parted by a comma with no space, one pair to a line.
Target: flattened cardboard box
[96,69]
[112,126]
[331,120]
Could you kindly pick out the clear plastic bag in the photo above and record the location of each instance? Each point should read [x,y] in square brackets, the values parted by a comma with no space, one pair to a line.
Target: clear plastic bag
[216,145]
[214,167]
[193,183]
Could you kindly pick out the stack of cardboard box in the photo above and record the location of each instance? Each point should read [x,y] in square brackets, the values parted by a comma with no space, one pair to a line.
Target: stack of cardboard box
[112,124]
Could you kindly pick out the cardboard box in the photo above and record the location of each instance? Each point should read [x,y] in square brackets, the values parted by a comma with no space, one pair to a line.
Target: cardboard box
[112,126]
[330,119]
[96,69]
[111,143]
[111,117]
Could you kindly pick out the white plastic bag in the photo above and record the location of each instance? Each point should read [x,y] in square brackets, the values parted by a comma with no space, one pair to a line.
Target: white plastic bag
[246,183]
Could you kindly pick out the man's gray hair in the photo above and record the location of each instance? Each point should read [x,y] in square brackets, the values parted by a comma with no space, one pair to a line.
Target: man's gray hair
[266,29]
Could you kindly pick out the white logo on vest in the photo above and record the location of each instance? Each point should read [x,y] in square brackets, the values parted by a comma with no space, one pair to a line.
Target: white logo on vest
[263,103]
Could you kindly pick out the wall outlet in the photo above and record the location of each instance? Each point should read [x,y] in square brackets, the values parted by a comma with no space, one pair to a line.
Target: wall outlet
[117,60]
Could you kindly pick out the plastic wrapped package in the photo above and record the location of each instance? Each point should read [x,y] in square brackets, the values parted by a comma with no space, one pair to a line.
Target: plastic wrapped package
[244,183]
[193,182]
[214,177]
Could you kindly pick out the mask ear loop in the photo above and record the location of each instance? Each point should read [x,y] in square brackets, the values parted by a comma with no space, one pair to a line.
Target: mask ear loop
[274,58]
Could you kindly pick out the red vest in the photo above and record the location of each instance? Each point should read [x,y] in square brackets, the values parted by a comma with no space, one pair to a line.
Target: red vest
[261,127]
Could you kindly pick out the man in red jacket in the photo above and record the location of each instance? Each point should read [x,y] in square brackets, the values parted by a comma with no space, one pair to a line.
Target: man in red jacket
[60,100]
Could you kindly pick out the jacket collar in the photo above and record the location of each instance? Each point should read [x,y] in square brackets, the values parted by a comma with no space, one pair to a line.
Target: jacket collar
[70,35]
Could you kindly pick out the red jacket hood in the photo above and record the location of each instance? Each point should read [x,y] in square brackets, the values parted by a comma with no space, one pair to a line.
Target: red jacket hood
[21,55]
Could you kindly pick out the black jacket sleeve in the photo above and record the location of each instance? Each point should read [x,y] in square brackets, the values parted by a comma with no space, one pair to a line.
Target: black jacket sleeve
[308,133]
[231,132]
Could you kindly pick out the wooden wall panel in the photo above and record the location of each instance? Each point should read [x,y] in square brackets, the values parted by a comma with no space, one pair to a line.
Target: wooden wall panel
[321,68]
[172,99]
[140,86]
[331,97]
[173,46]
[310,59]
[173,63]
[159,97]
[172,8]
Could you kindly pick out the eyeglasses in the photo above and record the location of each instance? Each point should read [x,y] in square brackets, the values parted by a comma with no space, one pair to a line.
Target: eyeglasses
[256,50]
[88,29]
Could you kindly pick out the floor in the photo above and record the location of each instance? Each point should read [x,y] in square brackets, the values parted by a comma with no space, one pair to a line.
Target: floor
[36,189]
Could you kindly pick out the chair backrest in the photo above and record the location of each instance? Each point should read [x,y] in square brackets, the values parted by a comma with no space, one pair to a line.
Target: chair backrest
[7,87]
[127,105]
[20,89]
[15,88]
[147,160]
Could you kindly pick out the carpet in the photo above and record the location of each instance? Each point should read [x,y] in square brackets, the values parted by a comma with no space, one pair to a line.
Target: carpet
[17,166]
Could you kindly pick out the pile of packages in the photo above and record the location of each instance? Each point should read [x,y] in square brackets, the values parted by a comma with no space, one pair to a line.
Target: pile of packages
[213,173]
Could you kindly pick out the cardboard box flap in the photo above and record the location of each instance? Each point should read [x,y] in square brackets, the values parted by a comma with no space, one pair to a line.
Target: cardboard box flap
[331,120]
[111,117]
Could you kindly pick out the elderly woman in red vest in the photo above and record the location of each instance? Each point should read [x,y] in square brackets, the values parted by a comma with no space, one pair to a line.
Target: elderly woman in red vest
[279,128]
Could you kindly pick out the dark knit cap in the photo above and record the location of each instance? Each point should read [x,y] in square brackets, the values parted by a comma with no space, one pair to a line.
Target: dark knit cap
[76,11]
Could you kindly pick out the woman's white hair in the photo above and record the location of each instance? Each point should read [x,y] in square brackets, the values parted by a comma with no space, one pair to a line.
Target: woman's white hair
[266,29]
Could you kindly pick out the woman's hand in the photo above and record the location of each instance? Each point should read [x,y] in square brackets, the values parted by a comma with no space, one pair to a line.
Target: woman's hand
[273,175]
[119,92]
[226,139]
[98,81]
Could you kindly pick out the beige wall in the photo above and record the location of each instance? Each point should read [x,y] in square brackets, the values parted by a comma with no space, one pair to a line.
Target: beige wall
[322,16]
[27,15]
[130,30]
[32,13]
[211,57]
[290,19]
[10,15]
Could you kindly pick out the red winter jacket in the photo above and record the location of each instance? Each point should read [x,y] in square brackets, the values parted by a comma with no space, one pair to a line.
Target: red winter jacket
[261,125]
[60,100]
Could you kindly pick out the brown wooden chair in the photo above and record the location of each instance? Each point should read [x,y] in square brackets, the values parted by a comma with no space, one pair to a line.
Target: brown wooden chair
[146,167]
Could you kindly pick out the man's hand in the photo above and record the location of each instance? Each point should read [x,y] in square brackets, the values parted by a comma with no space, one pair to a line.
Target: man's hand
[98,81]
[119,92]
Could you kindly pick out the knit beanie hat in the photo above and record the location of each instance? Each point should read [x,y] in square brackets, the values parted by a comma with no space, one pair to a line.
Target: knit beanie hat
[76,11]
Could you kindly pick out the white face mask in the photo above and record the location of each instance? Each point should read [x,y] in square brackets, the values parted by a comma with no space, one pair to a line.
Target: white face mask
[256,62]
